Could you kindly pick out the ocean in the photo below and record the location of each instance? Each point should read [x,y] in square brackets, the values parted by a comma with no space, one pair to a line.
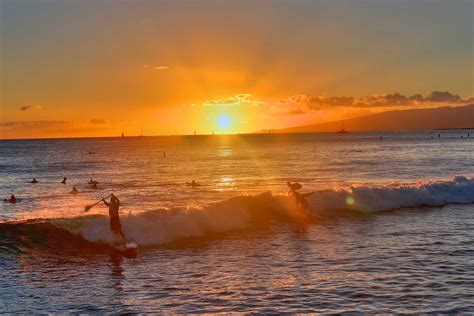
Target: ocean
[391,227]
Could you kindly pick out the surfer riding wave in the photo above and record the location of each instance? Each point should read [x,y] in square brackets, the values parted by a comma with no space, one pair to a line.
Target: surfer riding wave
[115,224]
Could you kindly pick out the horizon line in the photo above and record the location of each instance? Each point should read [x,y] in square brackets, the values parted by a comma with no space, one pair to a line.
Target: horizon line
[263,132]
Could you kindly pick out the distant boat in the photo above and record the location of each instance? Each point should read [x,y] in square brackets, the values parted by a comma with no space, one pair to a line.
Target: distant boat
[342,131]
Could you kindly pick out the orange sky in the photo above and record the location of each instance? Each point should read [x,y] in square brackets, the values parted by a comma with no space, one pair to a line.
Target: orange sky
[93,68]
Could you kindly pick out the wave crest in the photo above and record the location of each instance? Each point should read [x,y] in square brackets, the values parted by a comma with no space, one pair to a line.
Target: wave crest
[167,225]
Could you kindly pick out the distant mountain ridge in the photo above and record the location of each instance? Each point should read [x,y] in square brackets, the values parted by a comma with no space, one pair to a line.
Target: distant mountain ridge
[447,117]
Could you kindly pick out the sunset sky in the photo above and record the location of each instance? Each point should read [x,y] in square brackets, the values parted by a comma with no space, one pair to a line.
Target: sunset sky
[97,68]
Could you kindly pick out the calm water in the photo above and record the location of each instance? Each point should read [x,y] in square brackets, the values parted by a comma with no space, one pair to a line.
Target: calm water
[392,227]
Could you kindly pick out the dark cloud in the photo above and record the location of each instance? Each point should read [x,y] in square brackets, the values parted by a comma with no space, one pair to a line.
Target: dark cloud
[417,97]
[304,103]
[318,103]
[35,123]
[296,112]
[443,96]
[98,121]
[26,129]
[25,108]
[397,99]
[45,124]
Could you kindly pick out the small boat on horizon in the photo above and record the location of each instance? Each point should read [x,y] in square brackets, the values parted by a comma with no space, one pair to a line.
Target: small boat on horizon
[342,130]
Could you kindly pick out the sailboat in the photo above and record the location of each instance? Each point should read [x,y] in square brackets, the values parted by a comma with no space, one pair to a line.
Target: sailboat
[342,131]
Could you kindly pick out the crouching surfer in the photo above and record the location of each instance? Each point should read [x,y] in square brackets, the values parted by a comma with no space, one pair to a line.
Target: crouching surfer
[300,199]
[115,224]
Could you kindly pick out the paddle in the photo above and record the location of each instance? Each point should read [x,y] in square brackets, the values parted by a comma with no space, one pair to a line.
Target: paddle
[88,207]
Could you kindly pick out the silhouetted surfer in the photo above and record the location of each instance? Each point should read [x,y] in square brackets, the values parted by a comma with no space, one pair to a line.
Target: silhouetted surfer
[11,200]
[93,183]
[193,184]
[114,205]
[301,203]
[34,180]
[64,180]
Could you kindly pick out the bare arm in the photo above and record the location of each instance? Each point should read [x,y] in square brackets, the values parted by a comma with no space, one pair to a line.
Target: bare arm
[105,202]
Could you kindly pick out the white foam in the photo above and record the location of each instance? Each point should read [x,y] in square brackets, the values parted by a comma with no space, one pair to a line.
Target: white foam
[372,199]
[167,225]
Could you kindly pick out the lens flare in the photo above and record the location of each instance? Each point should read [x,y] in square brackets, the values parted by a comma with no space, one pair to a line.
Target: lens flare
[350,200]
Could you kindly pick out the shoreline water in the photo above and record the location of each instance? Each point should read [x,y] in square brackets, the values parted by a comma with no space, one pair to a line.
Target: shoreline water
[402,243]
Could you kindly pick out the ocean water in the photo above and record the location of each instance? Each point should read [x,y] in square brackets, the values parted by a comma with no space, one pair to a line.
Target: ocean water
[391,226]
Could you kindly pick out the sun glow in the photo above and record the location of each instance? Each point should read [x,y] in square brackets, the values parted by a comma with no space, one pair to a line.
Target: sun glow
[223,121]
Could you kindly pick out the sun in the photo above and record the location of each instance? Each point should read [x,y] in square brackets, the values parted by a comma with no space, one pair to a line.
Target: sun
[223,121]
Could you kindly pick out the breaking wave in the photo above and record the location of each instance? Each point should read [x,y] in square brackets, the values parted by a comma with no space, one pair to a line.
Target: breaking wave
[168,225]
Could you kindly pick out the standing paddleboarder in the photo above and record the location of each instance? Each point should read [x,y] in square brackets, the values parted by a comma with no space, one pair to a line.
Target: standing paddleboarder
[121,243]
[113,206]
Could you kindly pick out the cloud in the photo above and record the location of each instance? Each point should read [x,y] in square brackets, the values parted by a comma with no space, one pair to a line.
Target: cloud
[296,112]
[304,103]
[26,129]
[161,67]
[417,97]
[32,123]
[238,99]
[50,124]
[30,107]
[443,96]
[318,103]
[98,121]
[387,100]
[36,124]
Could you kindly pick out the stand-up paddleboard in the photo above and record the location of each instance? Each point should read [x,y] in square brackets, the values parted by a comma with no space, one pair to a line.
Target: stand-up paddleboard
[126,247]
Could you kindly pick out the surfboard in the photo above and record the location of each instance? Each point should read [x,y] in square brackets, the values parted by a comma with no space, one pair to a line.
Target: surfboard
[127,247]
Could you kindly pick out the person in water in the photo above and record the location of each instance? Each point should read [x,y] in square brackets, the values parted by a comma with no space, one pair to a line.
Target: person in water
[74,190]
[192,184]
[34,180]
[300,199]
[11,200]
[115,224]
[64,180]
